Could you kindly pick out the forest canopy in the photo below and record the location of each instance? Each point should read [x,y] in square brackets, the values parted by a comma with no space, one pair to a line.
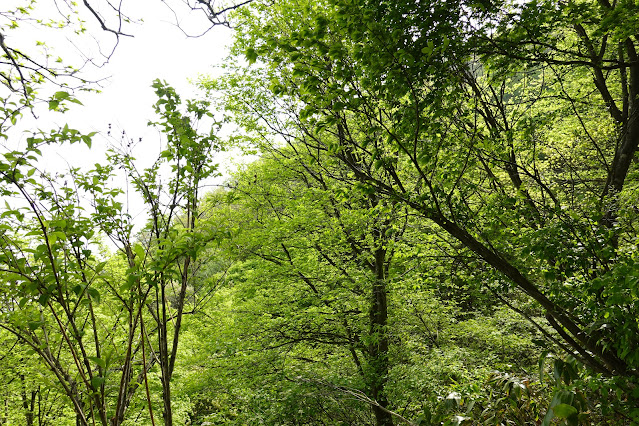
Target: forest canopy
[438,225]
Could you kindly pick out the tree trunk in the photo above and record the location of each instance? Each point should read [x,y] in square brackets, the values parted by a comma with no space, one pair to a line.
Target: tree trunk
[4,419]
[628,122]
[27,404]
[167,413]
[378,349]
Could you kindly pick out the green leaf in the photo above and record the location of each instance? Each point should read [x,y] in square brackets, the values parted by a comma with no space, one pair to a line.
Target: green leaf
[563,411]
[561,397]
[99,267]
[139,251]
[542,361]
[251,55]
[44,299]
[94,294]
[98,361]
[58,235]
[33,325]
[96,382]
[87,140]
[428,50]
[61,95]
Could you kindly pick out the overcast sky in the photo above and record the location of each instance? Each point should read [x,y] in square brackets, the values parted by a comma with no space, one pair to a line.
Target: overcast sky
[159,49]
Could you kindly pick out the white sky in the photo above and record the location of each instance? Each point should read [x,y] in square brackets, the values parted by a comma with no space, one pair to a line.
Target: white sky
[159,49]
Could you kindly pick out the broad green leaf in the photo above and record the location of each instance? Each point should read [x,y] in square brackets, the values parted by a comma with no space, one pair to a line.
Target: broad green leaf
[98,361]
[96,382]
[94,294]
[251,55]
[139,251]
[563,411]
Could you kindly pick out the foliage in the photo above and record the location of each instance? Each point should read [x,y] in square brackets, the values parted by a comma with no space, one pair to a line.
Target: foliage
[82,311]
[440,228]
[503,129]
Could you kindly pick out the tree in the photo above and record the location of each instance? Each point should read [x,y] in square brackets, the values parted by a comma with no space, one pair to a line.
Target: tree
[176,236]
[83,313]
[410,98]
[54,281]
[25,398]
[64,294]
[47,72]
[342,269]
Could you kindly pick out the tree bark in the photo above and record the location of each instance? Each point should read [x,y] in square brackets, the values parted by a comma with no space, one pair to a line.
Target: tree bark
[27,404]
[378,349]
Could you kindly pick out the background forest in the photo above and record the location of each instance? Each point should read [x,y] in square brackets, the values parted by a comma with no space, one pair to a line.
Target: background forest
[437,224]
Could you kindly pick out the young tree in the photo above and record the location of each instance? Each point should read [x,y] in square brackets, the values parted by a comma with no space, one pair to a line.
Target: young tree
[81,312]
[176,233]
[81,315]
[343,268]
